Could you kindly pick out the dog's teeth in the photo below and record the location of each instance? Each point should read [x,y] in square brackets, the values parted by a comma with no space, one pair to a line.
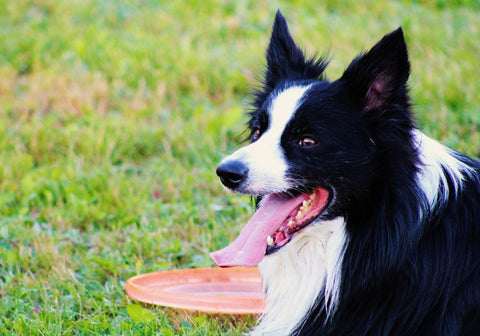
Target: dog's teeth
[299,215]
[290,223]
[312,196]
[269,241]
[305,205]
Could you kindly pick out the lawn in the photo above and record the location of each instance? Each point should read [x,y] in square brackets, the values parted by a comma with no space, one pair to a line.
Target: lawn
[114,114]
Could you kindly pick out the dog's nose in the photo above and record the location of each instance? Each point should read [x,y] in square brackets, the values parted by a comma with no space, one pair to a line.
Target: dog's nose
[232,173]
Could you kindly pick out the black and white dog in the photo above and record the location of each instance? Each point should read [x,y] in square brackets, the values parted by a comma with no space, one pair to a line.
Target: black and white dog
[364,225]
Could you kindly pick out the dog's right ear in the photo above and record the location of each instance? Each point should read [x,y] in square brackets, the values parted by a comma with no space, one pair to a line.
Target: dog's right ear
[379,77]
[286,60]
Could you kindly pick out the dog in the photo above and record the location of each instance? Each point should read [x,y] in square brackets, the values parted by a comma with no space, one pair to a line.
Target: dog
[364,225]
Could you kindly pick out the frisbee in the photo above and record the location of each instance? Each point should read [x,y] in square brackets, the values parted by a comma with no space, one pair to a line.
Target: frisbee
[236,290]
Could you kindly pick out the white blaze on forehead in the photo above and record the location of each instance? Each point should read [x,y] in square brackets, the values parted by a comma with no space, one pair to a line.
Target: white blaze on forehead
[265,158]
[283,107]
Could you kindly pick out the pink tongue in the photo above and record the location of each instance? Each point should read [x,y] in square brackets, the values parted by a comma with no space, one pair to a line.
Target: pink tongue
[250,246]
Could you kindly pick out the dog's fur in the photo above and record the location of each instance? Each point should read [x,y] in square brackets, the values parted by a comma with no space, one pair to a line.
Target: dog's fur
[397,249]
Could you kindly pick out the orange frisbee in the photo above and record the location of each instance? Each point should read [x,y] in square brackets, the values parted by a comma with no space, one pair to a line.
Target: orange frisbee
[236,290]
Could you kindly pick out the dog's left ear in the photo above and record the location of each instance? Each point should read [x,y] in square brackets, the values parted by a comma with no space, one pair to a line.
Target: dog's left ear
[286,60]
[379,77]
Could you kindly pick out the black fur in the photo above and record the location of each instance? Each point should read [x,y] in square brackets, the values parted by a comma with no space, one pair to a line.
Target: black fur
[285,60]
[408,269]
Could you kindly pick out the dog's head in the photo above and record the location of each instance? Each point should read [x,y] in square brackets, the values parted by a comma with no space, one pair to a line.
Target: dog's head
[315,144]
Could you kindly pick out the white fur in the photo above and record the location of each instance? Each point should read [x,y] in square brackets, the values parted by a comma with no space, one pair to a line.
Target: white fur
[333,262]
[436,160]
[298,273]
[265,159]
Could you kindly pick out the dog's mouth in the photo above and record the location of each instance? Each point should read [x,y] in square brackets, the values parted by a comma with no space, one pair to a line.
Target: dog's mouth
[272,226]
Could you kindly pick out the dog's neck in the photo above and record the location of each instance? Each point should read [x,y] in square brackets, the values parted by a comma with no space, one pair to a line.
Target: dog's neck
[295,276]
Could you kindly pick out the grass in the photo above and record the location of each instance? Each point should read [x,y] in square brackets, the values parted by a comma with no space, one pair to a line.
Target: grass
[113,115]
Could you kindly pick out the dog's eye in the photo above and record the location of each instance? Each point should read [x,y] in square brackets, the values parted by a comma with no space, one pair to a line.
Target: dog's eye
[307,142]
[256,134]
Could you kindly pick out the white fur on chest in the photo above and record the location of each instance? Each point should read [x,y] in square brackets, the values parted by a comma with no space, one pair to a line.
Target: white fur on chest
[298,273]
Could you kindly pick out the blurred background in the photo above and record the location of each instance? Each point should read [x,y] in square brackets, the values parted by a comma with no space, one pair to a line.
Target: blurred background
[114,114]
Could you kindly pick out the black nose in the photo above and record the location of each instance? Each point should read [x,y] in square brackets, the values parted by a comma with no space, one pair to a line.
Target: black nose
[232,173]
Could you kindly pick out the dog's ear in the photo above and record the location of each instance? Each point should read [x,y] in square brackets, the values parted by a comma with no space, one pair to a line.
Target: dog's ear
[286,60]
[379,77]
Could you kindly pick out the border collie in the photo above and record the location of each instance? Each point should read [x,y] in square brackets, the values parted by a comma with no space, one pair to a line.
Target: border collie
[364,225]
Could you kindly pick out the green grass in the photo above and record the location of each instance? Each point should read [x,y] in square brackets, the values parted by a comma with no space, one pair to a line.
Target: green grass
[113,115]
